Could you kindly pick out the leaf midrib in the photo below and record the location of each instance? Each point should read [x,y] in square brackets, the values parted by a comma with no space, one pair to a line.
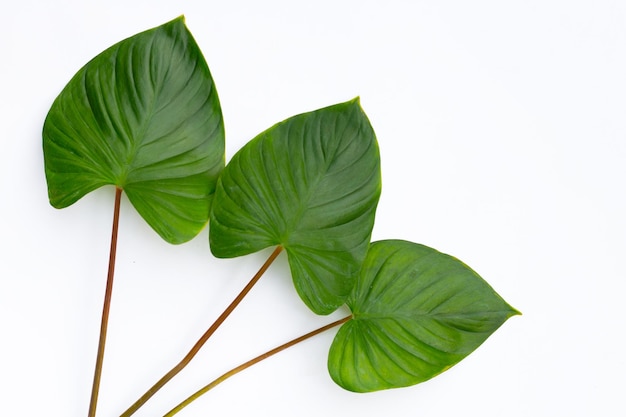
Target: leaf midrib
[305,204]
[137,141]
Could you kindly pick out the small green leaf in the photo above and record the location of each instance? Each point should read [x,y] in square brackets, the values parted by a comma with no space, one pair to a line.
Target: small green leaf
[144,116]
[416,312]
[311,184]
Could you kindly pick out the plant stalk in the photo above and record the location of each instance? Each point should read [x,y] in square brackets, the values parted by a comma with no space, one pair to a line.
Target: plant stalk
[203,339]
[251,362]
[107,305]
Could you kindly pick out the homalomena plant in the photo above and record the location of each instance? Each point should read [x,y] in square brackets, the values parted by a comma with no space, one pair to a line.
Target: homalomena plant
[143,116]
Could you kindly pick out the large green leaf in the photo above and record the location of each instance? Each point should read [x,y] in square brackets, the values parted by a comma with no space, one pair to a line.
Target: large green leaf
[416,312]
[144,116]
[311,184]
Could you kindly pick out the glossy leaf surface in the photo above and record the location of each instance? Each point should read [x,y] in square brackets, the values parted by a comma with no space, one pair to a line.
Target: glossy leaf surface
[416,312]
[144,116]
[311,184]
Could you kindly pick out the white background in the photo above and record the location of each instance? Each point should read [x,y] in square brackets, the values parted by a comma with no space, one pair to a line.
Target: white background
[502,128]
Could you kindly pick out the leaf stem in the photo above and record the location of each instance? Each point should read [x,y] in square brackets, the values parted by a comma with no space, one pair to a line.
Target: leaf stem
[251,362]
[196,348]
[107,305]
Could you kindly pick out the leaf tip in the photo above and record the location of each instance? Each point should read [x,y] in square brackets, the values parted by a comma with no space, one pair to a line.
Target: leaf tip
[180,20]
[356,101]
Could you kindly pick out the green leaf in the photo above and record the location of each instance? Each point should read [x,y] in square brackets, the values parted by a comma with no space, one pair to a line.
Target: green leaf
[311,184]
[416,312]
[143,116]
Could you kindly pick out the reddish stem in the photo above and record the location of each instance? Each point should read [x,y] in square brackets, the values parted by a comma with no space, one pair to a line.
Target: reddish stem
[196,348]
[251,362]
[107,305]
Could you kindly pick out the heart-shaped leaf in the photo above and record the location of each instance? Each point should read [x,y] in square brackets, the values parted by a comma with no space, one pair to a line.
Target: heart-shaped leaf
[311,184]
[144,116]
[416,312]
